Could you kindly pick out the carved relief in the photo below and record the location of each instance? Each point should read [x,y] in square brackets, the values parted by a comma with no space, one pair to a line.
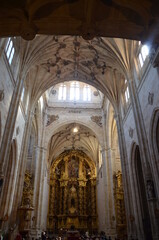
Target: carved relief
[51,119]
[97,120]
[27,198]
[27,203]
[53,91]
[131,131]
[150,98]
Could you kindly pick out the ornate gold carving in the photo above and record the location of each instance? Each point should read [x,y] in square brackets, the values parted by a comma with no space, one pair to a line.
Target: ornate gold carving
[72,186]
[27,198]
[27,203]
[119,205]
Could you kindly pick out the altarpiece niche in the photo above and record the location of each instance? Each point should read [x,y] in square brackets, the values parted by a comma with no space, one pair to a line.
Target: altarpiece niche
[72,199]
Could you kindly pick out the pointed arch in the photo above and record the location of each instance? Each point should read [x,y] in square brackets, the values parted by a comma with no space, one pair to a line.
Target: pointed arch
[141,210]
[154,133]
[10,180]
[154,145]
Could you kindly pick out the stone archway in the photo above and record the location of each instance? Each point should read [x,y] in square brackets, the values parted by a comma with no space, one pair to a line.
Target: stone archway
[9,186]
[140,192]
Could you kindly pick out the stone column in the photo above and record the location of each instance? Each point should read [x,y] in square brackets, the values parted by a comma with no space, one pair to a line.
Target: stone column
[10,123]
[38,191]
[126,175]
[109,153]
[106,190]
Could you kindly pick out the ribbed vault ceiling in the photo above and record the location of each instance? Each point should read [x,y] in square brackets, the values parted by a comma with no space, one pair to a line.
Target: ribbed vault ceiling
[100,62]
[64,139]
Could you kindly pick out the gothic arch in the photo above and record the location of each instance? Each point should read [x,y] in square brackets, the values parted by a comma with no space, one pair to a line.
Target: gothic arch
[141,211]
[9,185]
[154,144]
[154,130]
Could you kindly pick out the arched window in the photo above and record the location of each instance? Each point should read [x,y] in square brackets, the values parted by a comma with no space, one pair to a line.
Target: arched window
[86,93]
[125,98]
[10,50]
[143,54]
[141,191]
[62,92]
[22,94]
[41,102]
[74,91]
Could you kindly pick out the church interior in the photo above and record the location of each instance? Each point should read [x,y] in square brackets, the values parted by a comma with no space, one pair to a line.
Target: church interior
[79,118]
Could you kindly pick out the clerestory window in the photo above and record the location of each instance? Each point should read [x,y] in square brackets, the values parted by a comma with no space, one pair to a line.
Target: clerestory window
[86,93]
[144,52]
[10,50]
[62,92]
[74,91]
[126,93]
[127,96]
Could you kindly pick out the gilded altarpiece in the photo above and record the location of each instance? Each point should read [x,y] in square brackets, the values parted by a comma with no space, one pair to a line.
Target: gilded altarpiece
[72,200]
[119,206]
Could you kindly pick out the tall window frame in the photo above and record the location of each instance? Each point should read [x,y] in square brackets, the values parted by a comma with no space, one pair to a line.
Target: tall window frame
[74,91]
[86,93]
[62,92]
[10,50]
[144,52]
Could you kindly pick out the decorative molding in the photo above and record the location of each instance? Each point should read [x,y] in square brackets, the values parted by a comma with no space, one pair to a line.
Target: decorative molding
[131,132]
[96,93]
[53,92]
[51,119]
[150,98]
[97,120]
[1,95]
